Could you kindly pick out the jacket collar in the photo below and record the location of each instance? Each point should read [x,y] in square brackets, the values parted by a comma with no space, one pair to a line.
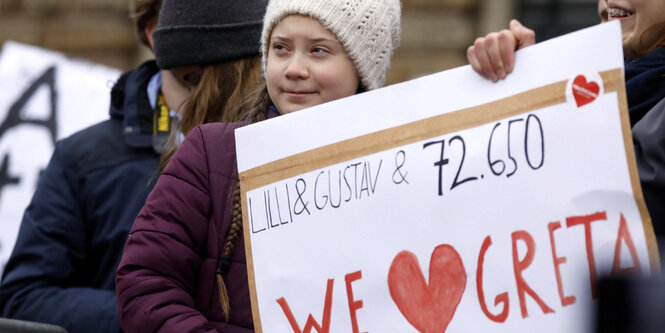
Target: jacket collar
[645,83]
[129,102]
[273,112]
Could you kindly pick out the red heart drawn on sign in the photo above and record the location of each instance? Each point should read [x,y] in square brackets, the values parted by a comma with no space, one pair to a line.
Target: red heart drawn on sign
[583,91]
[429,308]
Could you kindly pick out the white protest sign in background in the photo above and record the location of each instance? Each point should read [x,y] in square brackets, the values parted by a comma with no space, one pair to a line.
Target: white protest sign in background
[45,97]
[449,203]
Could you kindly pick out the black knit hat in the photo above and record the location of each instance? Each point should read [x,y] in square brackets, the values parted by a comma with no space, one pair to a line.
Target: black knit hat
[201,32]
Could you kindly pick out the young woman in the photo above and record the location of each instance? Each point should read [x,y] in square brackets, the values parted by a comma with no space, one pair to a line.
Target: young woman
[184,268]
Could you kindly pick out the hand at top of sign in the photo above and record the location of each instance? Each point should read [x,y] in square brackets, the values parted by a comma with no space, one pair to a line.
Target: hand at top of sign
[493,56]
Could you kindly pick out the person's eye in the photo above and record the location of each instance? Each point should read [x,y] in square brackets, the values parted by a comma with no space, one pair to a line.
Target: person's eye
[319,50]
[279,48]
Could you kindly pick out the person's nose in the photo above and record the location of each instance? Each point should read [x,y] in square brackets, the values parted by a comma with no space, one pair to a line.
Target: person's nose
[297,68]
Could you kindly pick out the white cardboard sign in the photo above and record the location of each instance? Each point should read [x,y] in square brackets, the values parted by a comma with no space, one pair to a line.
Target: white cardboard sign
[45,97]
[449,203]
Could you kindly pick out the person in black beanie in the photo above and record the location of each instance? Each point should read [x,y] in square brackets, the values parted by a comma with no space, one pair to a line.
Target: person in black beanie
[212,47]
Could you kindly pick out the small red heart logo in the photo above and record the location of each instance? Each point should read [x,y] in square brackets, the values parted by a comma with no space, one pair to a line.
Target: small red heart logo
[428,308]
[583,91]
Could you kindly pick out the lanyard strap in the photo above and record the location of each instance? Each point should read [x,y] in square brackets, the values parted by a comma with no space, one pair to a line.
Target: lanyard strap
[162,120]
[162,123]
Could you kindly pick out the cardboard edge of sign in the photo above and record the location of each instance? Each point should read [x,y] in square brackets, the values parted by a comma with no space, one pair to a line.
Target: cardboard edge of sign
[249,261]
[620,87]
[613,81]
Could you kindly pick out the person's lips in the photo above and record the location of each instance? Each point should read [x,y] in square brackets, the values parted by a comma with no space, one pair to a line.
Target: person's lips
[615,13]
[298,94]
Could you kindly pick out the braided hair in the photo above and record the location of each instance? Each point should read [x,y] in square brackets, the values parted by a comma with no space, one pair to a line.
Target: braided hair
[257,104]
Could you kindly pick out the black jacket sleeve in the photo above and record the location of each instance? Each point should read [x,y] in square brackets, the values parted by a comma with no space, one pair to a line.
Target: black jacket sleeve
[42,280]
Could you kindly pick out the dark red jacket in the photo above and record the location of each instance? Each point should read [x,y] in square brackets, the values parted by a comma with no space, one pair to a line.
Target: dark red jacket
[166,278]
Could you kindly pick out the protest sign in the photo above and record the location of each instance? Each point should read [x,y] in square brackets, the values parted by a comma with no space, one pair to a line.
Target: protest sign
[45,96]
[449,203]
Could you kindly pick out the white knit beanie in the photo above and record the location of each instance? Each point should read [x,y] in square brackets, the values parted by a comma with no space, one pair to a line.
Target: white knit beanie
[369,30]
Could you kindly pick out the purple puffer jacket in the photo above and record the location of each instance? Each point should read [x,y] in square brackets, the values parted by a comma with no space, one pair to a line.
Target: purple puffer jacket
[166,278]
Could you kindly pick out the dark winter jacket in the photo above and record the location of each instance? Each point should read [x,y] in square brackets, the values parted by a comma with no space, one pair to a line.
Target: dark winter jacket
[645,83]
[649,140]
[166,278]
[70,241]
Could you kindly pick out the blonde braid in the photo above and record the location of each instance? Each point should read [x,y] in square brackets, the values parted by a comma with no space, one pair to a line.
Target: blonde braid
[229,245]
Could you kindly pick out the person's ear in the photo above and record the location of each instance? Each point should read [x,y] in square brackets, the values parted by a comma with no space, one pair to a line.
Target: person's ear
[149,28]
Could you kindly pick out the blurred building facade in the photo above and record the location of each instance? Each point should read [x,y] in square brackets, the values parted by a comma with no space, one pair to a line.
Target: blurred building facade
[435,33]
[551,18]
[96,30]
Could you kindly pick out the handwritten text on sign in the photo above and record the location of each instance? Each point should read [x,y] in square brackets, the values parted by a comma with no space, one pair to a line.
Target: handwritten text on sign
[331,188]
[498,217]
